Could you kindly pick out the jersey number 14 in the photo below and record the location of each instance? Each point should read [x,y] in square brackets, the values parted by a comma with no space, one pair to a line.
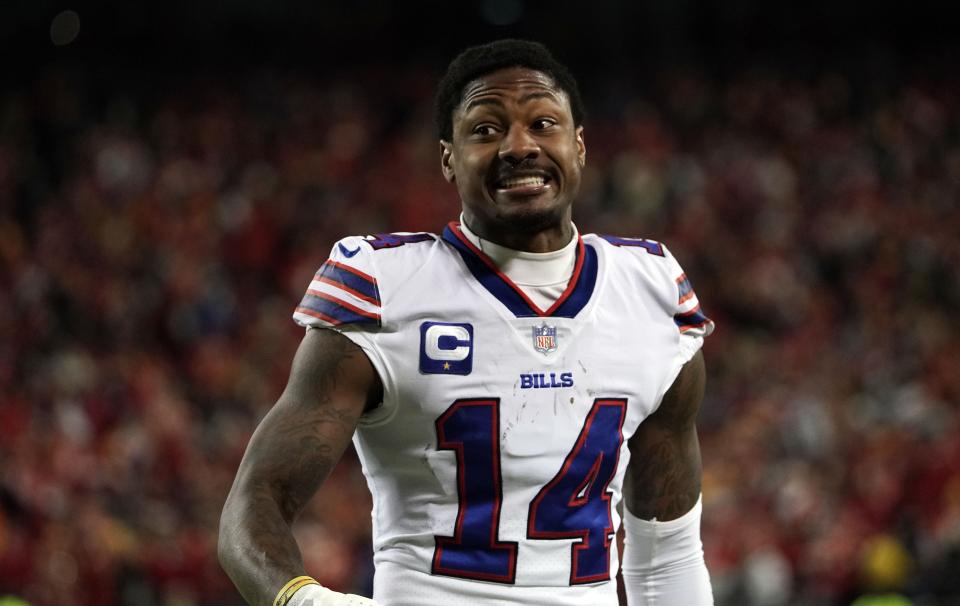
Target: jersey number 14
[575,504]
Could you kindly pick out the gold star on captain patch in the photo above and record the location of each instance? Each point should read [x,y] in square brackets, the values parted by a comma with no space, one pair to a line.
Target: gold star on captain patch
[446,365]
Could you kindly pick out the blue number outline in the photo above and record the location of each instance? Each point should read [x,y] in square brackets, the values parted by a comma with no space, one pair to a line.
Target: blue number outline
[579,548]
[447,544]
[586,486]
[381,241]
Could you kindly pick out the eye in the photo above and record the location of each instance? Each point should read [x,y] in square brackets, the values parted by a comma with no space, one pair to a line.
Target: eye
[484,130]
[543,123]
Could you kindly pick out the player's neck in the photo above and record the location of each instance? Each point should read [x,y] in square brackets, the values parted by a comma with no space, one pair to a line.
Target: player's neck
[529,268]
[544,241]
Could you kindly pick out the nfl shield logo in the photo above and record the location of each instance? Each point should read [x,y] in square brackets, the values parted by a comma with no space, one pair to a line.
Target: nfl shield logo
[545,338]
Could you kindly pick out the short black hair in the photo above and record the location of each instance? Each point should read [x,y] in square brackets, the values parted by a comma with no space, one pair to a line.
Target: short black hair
[478,61]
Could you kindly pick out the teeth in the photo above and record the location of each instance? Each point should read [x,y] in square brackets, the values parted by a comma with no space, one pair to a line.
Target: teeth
[521,182]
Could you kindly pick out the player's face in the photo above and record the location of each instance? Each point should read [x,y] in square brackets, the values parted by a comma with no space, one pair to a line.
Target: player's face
[516,156]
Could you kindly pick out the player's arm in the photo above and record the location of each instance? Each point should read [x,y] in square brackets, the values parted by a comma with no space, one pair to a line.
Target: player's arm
[663,479]
[291,452]
[663,555]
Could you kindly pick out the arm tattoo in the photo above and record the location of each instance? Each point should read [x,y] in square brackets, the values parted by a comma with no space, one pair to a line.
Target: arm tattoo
[290,454]
[663,479]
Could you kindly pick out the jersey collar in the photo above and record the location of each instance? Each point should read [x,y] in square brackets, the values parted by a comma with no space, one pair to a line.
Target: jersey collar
[573,299]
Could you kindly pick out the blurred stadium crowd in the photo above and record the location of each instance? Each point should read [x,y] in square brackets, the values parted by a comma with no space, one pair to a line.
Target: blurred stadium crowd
[154,241]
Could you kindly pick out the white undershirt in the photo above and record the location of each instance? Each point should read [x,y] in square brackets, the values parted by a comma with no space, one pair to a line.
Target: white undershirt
[541,276]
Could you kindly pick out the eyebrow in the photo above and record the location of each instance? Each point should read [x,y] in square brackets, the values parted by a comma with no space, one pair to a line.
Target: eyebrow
[496,102]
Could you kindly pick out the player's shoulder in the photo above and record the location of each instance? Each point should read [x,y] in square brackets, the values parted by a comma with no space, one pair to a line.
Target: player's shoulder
[361,275]
[400,242]
[636,258]
[384,252]
[645,262]
[632,250]
[389,259]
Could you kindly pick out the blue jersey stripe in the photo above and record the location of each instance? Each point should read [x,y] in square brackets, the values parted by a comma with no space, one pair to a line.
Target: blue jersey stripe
[489,279]
[582,292]
[341,312]
[690,319]
[338,273]
[686,288]
[507,294]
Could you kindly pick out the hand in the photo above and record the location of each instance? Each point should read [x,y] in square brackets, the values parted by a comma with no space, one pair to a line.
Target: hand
[318,595]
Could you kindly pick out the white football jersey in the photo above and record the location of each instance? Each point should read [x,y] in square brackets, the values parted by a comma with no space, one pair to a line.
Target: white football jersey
[497,457]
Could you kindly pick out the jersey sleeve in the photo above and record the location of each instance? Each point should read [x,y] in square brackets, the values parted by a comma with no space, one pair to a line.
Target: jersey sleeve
[692,323]
[343,293]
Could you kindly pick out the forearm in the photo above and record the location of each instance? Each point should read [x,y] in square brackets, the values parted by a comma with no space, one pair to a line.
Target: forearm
[290,454]
[256,545]
[663,561]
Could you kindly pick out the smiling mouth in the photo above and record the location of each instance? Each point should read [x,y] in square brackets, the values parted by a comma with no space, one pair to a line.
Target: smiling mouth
[527,184]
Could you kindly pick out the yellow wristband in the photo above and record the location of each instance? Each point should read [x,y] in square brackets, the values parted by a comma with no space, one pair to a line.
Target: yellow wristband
[286,592]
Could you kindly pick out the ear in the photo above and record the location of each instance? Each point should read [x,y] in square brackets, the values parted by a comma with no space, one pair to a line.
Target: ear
[446,161]
[581,147]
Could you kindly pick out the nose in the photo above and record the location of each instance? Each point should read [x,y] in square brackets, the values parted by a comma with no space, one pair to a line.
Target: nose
[518,145]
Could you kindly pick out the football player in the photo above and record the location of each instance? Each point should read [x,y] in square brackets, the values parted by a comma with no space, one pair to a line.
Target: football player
[505,383]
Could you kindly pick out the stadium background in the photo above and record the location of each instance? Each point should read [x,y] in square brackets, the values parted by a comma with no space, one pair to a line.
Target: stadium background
[171,175]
